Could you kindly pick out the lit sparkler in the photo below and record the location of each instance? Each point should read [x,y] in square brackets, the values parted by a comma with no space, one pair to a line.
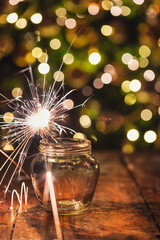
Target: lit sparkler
[42,115]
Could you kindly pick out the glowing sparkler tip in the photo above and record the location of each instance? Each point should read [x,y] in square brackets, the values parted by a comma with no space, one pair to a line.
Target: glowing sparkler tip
[40,119]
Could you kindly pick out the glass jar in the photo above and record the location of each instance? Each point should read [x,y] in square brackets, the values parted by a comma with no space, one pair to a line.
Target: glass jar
[74,173]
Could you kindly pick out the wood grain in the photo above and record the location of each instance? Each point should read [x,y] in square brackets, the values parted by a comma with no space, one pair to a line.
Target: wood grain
[119,210]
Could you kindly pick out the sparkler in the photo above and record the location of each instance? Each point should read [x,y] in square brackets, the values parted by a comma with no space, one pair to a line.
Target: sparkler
[41,114]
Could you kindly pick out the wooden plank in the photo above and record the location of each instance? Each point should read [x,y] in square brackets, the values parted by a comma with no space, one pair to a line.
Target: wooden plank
[145,169]
[117,212]
[6,218]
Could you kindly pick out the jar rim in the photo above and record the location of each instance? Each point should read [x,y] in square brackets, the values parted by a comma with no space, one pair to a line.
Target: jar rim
[64,145]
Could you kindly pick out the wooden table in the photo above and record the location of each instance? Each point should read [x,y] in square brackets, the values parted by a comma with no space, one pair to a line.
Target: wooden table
[126,205]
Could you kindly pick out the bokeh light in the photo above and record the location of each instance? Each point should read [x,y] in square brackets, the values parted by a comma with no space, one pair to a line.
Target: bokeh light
[68,104]
[138,2]
[97,83]
[8,117]
[149,75]
[21,23]
[146,114]
[94,58]
[125,86]
[133,64]
[61,20]
[8,147]
[55,44]
[126,57]
[106,5]
[70,23]
[85,121]
[135,85]
[43,57]
[58,76]
[68,58]
[128,148]
[79,135]
[150,136]
[144,51]
[143,62]
[12,17]
[36,52]
[87,91]
[133,135]
[116,11]
[13,2]
[93,8]
[125,11]
[106,78]
[36,18]
[107,30]
[130,99]
[61,12]
[43,68]
[17,92]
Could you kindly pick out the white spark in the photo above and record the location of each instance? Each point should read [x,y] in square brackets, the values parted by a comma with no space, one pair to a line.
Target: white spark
[20,197]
